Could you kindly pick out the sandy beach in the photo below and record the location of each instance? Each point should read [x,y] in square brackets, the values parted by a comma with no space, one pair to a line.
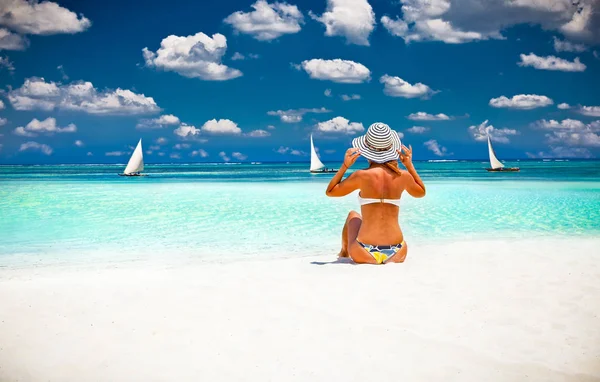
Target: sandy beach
[471,311]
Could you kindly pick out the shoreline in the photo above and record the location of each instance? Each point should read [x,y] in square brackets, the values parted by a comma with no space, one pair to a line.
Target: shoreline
[494,311]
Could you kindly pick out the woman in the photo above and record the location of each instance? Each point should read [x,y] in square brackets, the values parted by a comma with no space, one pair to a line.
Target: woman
[376,237]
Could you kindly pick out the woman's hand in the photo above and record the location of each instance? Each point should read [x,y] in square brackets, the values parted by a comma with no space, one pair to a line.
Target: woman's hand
[405,154]
[351,156]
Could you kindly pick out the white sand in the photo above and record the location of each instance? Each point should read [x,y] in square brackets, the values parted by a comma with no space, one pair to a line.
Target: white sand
[487,311]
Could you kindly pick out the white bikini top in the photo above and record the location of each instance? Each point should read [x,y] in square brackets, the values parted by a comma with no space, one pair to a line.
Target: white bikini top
[362,201]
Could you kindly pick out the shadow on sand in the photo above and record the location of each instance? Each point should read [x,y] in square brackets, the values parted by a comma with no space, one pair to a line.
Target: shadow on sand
[339,260]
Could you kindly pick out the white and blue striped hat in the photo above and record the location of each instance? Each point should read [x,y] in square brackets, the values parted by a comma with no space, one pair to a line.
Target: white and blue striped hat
[379,144]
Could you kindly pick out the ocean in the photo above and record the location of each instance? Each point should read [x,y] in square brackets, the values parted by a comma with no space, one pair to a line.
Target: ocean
[74,214]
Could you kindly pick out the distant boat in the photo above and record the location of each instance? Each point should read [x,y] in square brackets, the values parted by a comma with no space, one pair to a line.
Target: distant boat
[496,165]
[316,166]
[136,162]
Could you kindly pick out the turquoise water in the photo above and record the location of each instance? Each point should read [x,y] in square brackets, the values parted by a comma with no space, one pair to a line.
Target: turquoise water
[74,213]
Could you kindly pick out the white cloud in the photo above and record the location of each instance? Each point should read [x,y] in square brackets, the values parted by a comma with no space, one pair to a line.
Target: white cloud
[481,132]
[222,126]
[224,156]
[115,153]
[551,63]
[562,152]
[175,156]
[199,152]
[79,143]
[563,106]
[3,121]
[350,97]
[44,18]
[259,133]
[62,72]
[6,63]
[462,21]
[567,46]
[237,56]
[521,101]
[287,150]
[45,149]
[155,147]
[571,132]
[340,125]
[295,115]
[267,21]
[327,92]
[158,123]
[590,111]
[195,56]
[337,70]
[47,126]
[12,41]
[271,127]
[185,130]
[239,156]
[397,87]
[90,154]
[161,141]
[422,116]
[181,146]
[352,19]
[161,154]
[1,105]
[37,94]
[418,129]
[436,148]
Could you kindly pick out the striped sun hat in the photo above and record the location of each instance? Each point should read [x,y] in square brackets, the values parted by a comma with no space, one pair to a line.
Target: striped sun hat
[379,144]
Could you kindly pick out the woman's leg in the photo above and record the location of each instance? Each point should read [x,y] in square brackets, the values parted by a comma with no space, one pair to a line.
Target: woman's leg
[353,222]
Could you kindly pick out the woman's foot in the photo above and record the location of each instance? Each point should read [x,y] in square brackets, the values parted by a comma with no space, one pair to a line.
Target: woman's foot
[343,253]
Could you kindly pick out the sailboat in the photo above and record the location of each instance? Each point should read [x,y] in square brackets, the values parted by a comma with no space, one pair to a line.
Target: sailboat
[136,162]
[495,163]
[316,166]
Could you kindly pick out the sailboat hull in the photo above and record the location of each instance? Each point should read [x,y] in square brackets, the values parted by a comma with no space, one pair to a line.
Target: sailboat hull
[132,175]
[504,169]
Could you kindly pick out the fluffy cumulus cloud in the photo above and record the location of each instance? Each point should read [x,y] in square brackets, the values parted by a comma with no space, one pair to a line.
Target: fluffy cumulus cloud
[483,130]
[563,106]
[463,21]
[397,87]
[224,156]
[239,156]
[47,126]
[340,125]
[562,152]
[79,143]
[184,130]
[181,146]
[567,46]
[422,116]
[221,126]
[7,64]
[521,101]
[259,133]
[35,146]
[200,152]
[571,132]
[436,148]
[158,123]
[590,111]
[288,150]
[195,56]
[41,18]
[337,70]
[350,97]
[37,94]
[295,115]
[551,63]
[3,121]
[1,105]
[12,41]
[267,21]
[352,19]
[418,129]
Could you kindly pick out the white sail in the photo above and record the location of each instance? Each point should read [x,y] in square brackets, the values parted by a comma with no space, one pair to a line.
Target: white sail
[315,162]
[494,162]
[136,162]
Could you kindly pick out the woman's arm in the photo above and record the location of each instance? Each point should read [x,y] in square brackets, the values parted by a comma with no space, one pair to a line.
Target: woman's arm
[415,186]
[336,186]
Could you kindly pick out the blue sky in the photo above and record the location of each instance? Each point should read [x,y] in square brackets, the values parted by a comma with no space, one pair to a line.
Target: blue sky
[244,80]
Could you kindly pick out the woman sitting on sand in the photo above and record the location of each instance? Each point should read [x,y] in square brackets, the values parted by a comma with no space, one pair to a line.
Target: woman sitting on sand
[376,237]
